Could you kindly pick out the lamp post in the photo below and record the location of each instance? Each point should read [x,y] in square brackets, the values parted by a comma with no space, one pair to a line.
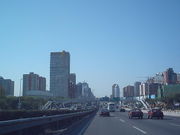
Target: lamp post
[19,102]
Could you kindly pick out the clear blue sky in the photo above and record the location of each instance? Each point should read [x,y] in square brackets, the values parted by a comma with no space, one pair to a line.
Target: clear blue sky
[110,41]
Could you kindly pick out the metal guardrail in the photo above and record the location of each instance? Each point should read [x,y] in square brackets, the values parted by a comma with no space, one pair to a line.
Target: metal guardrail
[20,124]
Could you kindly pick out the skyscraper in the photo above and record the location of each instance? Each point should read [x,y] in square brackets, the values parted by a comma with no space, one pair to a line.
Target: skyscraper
[59,73]
[115,91]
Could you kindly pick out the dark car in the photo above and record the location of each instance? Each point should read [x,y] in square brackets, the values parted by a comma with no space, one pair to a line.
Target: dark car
[104,112]
[155,113]
[135,113]
[122,110]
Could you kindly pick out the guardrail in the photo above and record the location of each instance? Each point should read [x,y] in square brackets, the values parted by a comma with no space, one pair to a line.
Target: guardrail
[10,126]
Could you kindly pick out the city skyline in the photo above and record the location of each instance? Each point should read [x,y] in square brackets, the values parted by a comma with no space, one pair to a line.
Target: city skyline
[109,42]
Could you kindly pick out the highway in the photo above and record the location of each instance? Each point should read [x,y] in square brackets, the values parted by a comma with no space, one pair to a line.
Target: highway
[119,124]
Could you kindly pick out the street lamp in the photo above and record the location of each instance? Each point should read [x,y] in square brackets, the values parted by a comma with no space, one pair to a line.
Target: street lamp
[19,102]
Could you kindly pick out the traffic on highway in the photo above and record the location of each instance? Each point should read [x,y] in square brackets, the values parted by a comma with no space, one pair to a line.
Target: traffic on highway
[115,119]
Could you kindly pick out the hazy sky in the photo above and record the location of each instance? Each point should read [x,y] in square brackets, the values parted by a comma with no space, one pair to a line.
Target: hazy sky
[110,41]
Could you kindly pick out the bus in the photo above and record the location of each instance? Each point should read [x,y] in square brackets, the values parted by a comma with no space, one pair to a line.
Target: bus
[111,107]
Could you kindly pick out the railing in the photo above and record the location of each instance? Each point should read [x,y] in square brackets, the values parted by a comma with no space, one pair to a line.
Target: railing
[10,126]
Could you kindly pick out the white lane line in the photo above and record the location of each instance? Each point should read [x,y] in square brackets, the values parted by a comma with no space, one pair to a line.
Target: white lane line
[174,124]
[142,131]
[123,121]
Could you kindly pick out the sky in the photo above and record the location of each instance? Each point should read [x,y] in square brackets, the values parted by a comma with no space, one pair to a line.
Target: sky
[110,41]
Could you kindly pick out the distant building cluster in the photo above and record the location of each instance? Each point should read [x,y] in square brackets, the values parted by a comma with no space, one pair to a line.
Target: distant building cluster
[154,87]
[62,82]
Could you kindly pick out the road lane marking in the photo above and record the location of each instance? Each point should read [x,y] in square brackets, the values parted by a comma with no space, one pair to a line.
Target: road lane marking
[142,131]
[123,121]
[174,124]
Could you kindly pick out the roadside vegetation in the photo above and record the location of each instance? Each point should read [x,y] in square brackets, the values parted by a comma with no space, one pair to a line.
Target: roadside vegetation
[27,103]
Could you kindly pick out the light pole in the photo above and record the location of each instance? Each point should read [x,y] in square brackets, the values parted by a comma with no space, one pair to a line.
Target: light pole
[19,103]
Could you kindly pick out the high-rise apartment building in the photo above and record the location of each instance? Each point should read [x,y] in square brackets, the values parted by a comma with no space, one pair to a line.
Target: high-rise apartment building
[42,83]
[7,86]
[33,81]
[128,91]
[169,76]
[72,85]
[59,73]
[30,81]
[137,89]
[143,89]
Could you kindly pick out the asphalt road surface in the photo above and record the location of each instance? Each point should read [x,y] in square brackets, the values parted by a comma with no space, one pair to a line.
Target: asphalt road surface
[119,124]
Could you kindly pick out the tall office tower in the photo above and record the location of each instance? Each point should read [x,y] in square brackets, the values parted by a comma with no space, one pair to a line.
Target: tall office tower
[115,91]
[137,89]
[7,86]
[33,81]
[59,73]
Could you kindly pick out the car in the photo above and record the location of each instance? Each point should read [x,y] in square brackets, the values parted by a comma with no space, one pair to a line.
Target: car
[135,113]
[155,113]
[104,112]
[122,110]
